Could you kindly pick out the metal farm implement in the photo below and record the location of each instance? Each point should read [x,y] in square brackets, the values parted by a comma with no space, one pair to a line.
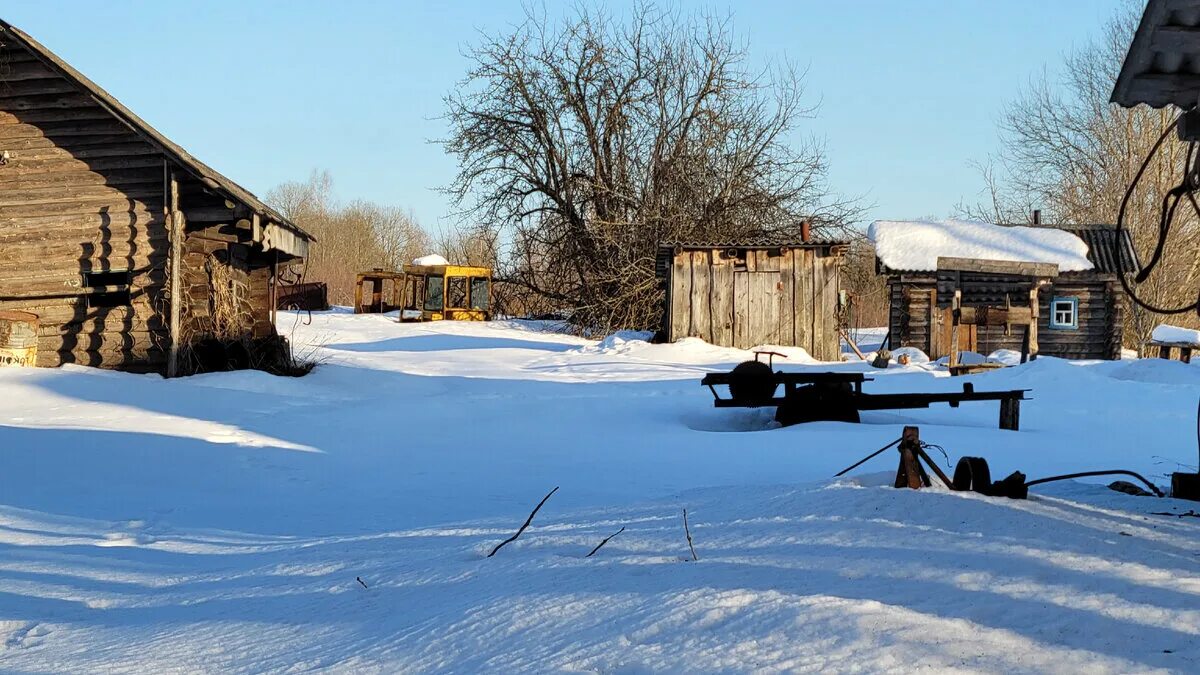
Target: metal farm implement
[836,397]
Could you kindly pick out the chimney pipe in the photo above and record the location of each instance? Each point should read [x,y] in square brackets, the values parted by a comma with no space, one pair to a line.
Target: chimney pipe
[805,231]
[1037,216]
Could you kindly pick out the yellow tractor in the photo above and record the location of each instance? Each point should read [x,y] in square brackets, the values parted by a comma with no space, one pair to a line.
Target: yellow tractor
[446,292]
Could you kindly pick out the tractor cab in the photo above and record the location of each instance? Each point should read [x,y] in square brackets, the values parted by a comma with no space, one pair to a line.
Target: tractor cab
[446,292]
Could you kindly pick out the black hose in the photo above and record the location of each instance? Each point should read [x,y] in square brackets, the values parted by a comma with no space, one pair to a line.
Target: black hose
[1121,225]
[1084,474]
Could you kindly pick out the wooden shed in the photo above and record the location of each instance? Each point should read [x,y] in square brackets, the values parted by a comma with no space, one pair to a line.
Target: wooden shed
[746,295]
[128,250]
[1071,269]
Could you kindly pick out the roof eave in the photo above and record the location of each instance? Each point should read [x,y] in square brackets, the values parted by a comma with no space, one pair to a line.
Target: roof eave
[204,173]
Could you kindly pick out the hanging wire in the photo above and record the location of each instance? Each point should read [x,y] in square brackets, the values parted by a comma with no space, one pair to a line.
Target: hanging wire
[1167,215]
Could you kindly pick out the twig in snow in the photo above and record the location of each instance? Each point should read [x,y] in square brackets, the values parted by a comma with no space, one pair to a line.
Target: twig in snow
[527,522]
[1191,513]
[688,532]
[359,580]
[604,542]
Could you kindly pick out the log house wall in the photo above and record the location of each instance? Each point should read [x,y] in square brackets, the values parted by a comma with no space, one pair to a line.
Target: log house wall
[81,192]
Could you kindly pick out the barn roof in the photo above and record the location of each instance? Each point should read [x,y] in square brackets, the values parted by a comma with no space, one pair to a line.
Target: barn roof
[755,244]
[915,246]
[206,174]
[1162,66]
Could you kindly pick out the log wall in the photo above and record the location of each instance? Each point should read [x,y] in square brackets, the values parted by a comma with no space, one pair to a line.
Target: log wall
[83,192]
[917,316]
[756,297]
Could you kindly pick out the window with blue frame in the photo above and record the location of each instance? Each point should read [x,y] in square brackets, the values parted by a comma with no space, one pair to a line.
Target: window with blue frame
[1064,313]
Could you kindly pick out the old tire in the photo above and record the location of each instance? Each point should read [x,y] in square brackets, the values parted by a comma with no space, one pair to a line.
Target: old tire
[753,381]
[972,474]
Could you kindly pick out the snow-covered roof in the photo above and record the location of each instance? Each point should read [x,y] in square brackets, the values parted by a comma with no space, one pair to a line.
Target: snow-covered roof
[430,260]
[1176,334]
[916,245]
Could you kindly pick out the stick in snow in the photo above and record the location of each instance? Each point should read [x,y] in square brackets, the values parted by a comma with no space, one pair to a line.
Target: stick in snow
[359,580]
[689,535]
[604,542]
[527,522]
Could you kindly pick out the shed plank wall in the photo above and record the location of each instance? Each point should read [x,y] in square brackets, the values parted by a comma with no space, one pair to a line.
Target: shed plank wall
[722,301]
[765,299]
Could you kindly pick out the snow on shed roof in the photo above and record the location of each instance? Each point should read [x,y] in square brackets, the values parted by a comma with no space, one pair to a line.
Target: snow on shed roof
[916,245]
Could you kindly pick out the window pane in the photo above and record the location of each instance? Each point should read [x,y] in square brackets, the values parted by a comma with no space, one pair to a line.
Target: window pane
[479,293]
[1063,313]
[456,291]
[433,293]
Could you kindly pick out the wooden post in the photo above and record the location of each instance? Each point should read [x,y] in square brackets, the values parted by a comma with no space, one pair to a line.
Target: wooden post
[358,295]
[1033,323]
[274,290]
[175,227]
[955,313]
[910,474]
[935,328]
[1010,414]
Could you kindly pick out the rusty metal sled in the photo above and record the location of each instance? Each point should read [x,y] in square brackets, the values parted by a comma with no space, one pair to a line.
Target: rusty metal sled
[837,397]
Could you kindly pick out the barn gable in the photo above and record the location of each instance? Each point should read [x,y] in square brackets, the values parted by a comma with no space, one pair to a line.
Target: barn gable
[90,196]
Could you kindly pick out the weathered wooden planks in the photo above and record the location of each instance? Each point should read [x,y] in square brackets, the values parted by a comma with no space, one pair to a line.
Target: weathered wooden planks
[784,296]
[721,298]
[802,265]
[700,300]
[680,297]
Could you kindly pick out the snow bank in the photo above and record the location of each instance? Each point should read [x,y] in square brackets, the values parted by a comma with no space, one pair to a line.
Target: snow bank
[916,245]
[1167,333]
[430,260]
[187,525]
[622,337]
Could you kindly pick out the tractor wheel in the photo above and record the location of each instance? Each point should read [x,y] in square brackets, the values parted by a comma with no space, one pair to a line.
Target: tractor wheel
[754,382]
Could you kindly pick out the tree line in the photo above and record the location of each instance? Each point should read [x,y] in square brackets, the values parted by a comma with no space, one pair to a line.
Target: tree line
[585,140]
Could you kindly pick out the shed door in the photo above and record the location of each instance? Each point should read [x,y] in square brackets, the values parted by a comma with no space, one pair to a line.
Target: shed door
[968,335]
[757,297]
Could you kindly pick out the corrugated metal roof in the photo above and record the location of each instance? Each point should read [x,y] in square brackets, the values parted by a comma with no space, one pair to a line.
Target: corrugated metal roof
[1110,250]
[202,171]
[756,244]
[1162,66]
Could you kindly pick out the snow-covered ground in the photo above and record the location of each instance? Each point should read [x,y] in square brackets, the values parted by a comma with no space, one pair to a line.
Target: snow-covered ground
[222,522]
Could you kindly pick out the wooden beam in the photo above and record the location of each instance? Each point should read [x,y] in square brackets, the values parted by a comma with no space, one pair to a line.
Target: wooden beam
[1025,269]
[1033,324]
[176,227]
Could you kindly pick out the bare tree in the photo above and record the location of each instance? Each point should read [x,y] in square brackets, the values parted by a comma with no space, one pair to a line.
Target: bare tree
[1068,151]
[351,237]
[584,142]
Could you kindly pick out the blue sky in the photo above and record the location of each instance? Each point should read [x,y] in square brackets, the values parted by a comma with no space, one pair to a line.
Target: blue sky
[266,92]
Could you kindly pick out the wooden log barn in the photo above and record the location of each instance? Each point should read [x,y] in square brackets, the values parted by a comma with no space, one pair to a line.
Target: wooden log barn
[129,251]
[747,295]
[978,279]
